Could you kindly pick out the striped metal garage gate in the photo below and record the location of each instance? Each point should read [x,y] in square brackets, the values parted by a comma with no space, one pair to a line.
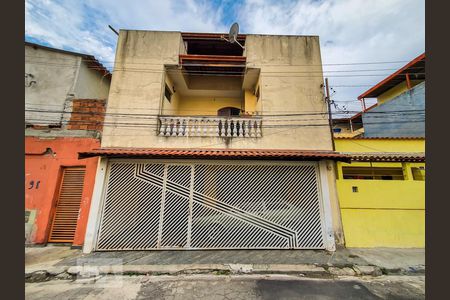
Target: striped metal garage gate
[150,205]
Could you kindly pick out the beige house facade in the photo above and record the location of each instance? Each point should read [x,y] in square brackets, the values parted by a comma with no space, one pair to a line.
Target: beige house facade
[210,145]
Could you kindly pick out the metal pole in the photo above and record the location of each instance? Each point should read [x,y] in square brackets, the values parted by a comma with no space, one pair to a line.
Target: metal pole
[115,31]
[330,121]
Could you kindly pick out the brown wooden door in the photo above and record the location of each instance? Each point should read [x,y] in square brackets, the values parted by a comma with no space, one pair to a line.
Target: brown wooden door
[68,202]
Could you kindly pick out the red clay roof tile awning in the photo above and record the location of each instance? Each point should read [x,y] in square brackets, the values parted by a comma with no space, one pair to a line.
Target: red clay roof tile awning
[271,154]
[388,157]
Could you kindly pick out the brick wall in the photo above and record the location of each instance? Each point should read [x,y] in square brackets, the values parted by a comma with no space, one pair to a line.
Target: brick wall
[87,114]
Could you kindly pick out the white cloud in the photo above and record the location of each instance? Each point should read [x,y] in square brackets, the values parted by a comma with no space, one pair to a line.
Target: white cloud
[349,30]
[83,26]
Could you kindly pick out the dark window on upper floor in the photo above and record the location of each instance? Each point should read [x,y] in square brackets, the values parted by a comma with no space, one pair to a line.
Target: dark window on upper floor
[167,93]
[229,111]
[213,47]
[373,173]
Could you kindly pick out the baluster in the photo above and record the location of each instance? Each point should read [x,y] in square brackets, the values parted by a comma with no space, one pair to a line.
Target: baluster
[249,128]
[170,131]
[183,127]
[162,126]
[213,128]
[257,129]
[244,128]
[220,129]
[205,127]
[167,127]
[189,127]
[177,127]
[227,128]
[199,128]
[194,127]
[238,128]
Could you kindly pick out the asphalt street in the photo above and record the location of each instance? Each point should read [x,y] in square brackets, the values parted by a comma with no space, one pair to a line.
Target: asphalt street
[229,287]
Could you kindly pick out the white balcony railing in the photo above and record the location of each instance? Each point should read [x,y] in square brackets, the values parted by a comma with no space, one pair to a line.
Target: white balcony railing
[210,126]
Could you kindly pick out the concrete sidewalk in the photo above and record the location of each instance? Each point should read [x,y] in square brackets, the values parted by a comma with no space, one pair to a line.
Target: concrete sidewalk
[50,261]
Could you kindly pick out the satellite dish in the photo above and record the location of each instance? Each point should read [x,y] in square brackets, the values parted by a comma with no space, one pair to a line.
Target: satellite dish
[234,31]
[232,35]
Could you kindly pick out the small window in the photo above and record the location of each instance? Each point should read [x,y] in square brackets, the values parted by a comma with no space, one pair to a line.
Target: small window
[229,111]
[372,173]
[418,173]
[167,93]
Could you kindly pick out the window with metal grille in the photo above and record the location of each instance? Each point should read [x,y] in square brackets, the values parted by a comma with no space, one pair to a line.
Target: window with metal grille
[373,173]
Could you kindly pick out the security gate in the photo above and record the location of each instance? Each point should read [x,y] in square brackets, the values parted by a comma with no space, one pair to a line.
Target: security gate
[221,205]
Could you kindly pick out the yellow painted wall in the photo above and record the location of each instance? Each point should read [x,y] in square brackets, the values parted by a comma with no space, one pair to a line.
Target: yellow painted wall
[384,228]
[250,102]
[382,213]
[201,106]
[383,194]
[380,145]
[395,91]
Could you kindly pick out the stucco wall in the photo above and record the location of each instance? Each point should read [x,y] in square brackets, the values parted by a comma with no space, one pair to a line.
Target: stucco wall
[46,169]
[290,82]
[55,75]
[59,79]
[91,84]
[137,86]
[389,119]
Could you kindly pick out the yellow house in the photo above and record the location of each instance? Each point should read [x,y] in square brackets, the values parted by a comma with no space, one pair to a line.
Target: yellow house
[382,190]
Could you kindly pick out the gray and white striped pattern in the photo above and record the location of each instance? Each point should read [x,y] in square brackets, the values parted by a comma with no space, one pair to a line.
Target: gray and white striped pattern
[211,206]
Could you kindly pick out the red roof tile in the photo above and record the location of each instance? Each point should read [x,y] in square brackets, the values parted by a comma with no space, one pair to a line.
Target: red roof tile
[416,66]
[389,157]
[216,153]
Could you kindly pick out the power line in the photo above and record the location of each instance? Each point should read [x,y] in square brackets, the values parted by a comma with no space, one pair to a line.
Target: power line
[263,115]
[231,66]
[324,64]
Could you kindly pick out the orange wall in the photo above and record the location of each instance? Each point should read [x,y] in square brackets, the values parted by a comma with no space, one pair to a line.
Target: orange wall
[47,169]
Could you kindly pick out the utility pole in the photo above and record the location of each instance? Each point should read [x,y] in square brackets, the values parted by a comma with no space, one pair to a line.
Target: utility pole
[330,121]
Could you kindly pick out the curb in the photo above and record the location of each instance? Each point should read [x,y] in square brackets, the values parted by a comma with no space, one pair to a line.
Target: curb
[315,271]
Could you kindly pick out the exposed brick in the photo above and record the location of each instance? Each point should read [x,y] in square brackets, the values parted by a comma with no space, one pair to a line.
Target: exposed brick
[87,114]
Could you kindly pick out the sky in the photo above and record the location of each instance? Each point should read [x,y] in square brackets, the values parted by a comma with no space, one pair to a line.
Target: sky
[362,41]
